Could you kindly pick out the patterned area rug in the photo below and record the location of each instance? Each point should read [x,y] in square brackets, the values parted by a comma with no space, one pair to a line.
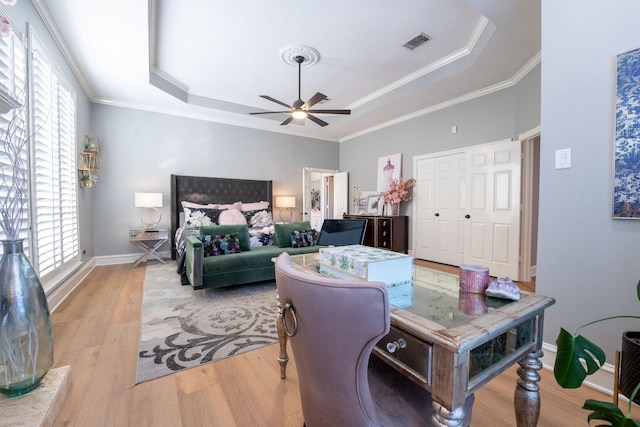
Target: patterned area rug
[182,328]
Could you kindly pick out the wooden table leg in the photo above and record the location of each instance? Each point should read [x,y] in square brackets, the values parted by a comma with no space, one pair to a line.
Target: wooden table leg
[283,358]
[527,394]
[442,417]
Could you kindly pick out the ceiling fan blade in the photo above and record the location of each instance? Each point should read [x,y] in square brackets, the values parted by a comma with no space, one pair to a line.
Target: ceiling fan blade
[317,120]
[329,111]
[276,101]
[314,100]
[271,112]
[287,121]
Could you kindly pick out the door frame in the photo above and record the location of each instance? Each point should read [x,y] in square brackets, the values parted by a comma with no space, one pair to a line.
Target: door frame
[517,264]
[530,173]
[306,196]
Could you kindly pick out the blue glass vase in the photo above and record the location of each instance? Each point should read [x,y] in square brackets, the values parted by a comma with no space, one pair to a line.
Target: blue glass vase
[26,342]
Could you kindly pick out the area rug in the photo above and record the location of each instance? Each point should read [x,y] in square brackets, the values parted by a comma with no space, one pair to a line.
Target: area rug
[181,328]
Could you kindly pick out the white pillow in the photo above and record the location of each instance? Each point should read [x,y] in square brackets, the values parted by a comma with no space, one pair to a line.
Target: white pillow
[255,206]
[192,205]
[231,217]
[236,205]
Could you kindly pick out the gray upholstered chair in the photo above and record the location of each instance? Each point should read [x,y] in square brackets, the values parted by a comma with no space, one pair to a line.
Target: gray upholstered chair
[333,326]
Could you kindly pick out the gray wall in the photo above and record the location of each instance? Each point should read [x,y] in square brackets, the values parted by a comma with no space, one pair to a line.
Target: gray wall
[586,260]
[19,15]
[500,115]
[142,149]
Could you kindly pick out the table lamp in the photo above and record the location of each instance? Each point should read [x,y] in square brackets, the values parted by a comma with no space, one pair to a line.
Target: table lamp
[285,203]
[149,202]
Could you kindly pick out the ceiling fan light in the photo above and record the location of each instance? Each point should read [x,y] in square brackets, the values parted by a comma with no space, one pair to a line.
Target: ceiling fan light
[299,114]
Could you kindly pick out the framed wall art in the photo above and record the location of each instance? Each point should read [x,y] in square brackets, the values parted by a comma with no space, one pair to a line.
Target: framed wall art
[375,204]
[389,168]
[362,205]
[626,180]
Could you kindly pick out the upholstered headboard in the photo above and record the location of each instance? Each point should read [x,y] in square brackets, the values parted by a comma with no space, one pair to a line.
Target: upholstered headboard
[204,190]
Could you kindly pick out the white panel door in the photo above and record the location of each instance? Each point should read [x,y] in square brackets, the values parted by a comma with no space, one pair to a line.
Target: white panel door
[340,194]
[492,229]
[424,209]
[449,214]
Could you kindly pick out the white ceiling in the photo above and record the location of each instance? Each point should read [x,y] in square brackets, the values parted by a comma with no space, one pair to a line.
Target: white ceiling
[211,59]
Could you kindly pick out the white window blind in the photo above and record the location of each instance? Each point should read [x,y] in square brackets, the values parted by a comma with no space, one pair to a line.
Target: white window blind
[14,149]
[54,211]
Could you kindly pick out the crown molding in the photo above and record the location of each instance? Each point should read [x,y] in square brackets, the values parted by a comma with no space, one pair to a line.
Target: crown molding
[472,44]
[520,74]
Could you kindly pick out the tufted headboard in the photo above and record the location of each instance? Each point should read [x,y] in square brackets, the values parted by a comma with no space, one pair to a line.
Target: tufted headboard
[203,190]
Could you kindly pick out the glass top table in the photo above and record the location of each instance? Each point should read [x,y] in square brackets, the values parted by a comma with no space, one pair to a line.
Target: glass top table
[452,342]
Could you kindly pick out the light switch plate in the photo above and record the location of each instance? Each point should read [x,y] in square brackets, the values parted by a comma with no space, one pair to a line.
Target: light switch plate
[563,158]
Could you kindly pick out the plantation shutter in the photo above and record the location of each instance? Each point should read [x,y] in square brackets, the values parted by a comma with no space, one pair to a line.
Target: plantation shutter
[14,164]
[54,166]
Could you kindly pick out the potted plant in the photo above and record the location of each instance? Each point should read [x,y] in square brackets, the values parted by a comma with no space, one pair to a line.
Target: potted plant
[577,357]
[89,180]
[90,143]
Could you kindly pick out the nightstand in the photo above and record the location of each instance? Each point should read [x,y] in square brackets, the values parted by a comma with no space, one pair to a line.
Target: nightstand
[149,240]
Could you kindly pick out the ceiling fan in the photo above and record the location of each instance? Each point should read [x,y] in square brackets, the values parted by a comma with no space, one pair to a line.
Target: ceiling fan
[301,109]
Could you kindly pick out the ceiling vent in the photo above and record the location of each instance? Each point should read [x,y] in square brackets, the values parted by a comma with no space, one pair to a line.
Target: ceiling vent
[418,40]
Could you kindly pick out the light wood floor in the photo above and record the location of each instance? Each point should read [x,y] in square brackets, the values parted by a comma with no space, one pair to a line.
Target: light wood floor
[96,332]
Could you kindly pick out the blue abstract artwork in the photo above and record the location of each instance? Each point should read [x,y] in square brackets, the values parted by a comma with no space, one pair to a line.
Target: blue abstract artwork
[626,193]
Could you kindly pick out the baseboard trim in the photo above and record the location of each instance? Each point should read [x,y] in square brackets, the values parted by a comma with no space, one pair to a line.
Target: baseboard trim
[58,293]
[61,290]
[126,258]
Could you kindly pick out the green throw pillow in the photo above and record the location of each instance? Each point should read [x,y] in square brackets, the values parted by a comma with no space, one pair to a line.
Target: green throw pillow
[281,236]
[241,230]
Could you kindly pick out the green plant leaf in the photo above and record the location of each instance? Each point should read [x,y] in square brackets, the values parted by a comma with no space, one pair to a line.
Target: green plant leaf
[606,411]
[638,290]
[568,369]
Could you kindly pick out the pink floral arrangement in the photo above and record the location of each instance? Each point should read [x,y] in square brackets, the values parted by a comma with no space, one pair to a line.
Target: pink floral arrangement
[399,190]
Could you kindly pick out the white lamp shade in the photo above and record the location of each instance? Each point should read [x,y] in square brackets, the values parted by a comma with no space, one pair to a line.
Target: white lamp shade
[148,200]
[285,202]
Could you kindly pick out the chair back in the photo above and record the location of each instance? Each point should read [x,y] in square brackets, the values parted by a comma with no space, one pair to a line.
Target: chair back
[333,326]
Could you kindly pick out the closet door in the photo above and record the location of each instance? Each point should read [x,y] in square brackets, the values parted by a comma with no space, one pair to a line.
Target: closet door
[492,229]
[440,199]
[467,207]
[424,209]
[449,204]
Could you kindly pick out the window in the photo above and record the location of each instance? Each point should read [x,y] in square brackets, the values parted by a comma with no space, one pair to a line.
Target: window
[53,160]
[14,164]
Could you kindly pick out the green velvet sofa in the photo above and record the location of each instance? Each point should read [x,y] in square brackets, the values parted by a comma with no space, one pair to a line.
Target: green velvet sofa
[248,266]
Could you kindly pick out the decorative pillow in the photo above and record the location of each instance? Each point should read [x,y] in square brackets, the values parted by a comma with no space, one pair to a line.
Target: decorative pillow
[303,238]
[257,219]
[241,230]
[255,206]
[212,214]
[281,237]
[192,205]
[236,205]
[219,244]
[196,219]
[231,216]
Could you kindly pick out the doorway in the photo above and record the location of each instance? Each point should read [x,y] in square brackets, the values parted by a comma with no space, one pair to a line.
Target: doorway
[530,196]
[314,195]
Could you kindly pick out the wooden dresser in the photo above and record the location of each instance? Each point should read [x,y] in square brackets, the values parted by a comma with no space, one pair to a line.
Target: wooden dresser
[385,232]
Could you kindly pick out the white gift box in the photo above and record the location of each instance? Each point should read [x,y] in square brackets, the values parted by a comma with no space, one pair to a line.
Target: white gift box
[358,262]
